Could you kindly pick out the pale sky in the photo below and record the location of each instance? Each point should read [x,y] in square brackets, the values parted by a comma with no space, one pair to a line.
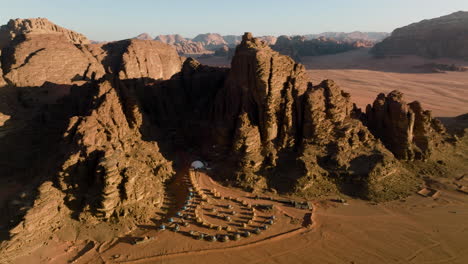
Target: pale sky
[120,19]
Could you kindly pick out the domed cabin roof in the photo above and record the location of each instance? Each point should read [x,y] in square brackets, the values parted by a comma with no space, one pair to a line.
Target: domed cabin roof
[197,165]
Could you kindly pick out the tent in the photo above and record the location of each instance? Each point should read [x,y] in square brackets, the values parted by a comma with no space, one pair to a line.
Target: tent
[197,165]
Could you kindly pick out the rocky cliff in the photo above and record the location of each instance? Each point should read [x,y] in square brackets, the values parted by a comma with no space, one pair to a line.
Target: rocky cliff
[33,59]
[406,129]
[183,45]
[293,136]
[446,36]
[109,170]
[298,46]
[18,27]
[350,36]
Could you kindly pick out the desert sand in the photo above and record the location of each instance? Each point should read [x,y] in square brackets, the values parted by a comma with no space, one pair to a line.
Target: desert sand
[414,230]
[357,72]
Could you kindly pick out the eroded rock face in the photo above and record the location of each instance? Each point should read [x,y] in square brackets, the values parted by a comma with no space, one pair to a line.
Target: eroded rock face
[299,46]
[263,84]
[183,45]
[110,170]
[344,149]
[33,59]
[405,129]
[18,27]
[446,36]
[149,59]
[293,136]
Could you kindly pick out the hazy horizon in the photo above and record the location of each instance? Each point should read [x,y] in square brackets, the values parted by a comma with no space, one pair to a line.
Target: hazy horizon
[114,20]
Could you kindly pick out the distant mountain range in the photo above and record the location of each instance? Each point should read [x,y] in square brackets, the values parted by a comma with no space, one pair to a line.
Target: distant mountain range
[355,35]
[210,42]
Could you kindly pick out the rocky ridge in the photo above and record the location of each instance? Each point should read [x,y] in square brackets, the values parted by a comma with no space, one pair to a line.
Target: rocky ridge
[446,36]
[298,46]
[210,41]
[350,36]
[183,45]
[18,27]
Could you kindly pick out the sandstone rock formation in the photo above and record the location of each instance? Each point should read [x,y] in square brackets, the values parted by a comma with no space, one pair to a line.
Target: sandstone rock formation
[234,40]
[183,46]
[171,39]
[149,59]
[190,47]
[405,129]
[298,46]
[109,170]
[33,59]
[278,120]
[446,36]
[18,27]
[350,36]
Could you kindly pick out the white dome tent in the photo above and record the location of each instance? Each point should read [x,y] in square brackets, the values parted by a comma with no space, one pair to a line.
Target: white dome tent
[197,165]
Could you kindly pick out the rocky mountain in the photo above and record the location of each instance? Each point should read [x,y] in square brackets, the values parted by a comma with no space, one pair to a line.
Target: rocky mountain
[210,41]
[281,123]
[96,128]
[171,39]
[144,36]
[80,128]
[355,35]
[16,27]
[298,46]
[183,46]
[234,40]
[446,36]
